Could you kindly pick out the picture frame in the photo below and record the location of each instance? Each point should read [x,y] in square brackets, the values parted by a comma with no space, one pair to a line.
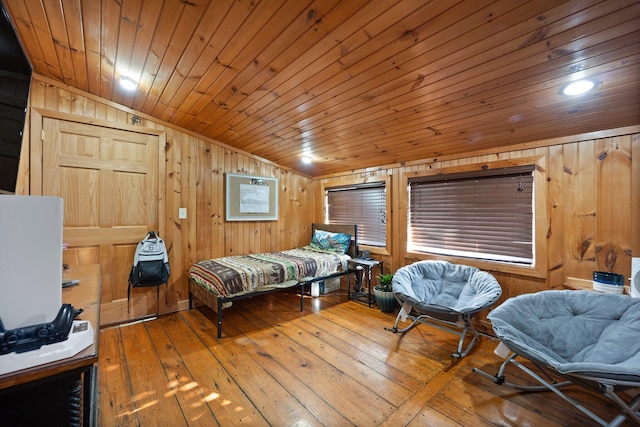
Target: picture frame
[251,198]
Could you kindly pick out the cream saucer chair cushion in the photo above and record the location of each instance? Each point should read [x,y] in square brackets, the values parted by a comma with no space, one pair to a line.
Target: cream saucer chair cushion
[444,294]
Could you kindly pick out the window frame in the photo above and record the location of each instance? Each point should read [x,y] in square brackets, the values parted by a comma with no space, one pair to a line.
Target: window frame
[539,266]
[386,180]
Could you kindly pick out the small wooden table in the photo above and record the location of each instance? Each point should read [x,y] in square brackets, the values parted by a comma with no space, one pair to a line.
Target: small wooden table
[79,370]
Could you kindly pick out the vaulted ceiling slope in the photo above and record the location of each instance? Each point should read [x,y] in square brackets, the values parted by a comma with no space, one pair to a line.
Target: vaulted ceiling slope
[352,83]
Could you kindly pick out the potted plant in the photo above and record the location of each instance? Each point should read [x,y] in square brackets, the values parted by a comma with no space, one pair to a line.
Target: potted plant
[384,293]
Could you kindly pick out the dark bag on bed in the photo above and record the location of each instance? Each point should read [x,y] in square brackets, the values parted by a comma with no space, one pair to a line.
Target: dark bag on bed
[150,264]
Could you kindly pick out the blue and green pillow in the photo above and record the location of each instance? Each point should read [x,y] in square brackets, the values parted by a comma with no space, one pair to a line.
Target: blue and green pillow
[332,242]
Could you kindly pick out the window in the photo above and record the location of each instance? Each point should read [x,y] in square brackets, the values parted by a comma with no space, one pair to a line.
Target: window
[484,214]
[361,204]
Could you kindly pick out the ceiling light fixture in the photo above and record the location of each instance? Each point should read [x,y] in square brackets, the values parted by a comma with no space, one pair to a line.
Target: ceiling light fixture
[306,160]
[578,87]
[128,83]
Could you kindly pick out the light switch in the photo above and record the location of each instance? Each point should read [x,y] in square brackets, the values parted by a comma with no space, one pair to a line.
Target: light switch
[182,213]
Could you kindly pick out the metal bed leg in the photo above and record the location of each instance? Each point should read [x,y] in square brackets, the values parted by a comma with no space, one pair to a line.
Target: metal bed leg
[219,314]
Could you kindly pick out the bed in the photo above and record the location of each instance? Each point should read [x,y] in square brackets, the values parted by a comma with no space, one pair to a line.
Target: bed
[220,282]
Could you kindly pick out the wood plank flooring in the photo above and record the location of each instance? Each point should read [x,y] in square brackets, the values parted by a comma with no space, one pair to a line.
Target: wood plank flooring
[331,365]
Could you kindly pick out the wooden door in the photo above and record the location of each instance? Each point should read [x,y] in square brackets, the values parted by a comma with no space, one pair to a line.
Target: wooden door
[108,179]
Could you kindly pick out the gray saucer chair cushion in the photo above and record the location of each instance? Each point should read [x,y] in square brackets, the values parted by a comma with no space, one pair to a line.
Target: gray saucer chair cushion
[442,286]
[574,331]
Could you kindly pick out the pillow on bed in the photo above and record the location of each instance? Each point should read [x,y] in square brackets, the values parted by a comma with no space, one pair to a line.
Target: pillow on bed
[332,242]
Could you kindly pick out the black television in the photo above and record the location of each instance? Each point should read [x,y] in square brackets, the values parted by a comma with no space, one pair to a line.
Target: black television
[15,79]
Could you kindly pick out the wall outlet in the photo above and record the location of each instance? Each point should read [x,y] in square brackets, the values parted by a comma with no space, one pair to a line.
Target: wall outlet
[182,213]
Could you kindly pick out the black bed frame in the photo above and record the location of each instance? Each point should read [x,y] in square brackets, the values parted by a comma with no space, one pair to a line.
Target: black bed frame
[216,303]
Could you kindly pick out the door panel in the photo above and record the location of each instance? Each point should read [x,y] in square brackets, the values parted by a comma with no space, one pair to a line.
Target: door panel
[108,179]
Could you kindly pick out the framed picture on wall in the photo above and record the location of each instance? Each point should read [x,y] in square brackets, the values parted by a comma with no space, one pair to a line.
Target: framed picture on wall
[251,198]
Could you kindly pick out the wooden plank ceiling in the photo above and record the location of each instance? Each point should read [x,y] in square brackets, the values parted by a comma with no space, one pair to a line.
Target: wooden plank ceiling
[352,83]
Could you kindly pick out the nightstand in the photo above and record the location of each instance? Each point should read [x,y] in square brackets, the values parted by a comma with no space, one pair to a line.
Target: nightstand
[362,270]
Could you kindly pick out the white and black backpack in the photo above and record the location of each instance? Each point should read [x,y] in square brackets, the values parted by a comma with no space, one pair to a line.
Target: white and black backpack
[150,264]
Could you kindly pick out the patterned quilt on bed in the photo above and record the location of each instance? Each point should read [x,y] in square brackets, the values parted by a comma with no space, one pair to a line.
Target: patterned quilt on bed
[237,275]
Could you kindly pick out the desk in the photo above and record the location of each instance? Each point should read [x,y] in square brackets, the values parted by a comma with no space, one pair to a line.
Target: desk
[76,372]
[356,265]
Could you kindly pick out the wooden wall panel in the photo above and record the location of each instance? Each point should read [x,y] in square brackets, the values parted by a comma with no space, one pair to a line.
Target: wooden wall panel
[635,195]
[592,192]
[553,232]
[613,205]
[193,176]
[578,207]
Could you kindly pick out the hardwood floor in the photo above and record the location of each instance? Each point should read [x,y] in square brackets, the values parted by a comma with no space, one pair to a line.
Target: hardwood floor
[332,364]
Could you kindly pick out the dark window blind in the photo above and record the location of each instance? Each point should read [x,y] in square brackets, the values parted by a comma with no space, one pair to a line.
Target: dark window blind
[485,217]
[365,206]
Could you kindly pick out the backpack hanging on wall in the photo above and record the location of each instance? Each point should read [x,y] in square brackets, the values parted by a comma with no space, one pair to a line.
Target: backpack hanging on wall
[150,264]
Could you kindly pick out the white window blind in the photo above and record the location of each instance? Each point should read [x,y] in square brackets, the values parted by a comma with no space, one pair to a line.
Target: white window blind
[479,215]
[364,205]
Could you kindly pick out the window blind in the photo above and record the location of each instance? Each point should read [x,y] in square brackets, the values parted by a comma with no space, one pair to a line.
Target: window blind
[486,217]
[364,205]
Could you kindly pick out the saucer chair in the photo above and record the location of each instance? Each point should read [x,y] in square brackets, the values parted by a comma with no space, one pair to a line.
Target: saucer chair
[588,339]
[445,295]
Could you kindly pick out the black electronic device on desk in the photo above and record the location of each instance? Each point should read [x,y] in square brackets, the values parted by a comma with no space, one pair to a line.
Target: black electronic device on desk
[33,337]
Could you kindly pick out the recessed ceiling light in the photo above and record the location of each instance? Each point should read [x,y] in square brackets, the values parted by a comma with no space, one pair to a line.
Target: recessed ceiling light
[128,83]
[578,87]
[306,160]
